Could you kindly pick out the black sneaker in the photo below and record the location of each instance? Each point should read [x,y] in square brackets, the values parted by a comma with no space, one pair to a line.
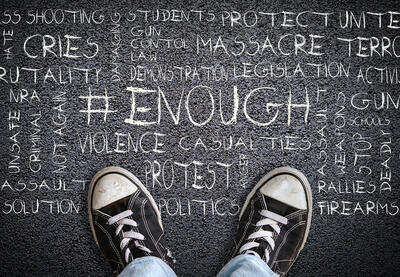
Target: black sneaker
[124,219]
[275,220]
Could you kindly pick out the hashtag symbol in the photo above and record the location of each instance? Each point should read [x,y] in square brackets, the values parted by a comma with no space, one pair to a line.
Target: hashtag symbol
[89,110]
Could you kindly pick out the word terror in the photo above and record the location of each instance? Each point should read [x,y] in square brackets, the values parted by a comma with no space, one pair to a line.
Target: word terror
[261,106]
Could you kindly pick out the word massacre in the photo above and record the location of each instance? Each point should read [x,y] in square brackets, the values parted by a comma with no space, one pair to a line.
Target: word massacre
[200,106]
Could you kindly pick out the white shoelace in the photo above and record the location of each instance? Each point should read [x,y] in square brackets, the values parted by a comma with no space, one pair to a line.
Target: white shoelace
[270,219]
[122,220]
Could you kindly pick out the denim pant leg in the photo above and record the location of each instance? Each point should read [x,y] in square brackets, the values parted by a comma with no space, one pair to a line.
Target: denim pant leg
[246,265]
[147,267]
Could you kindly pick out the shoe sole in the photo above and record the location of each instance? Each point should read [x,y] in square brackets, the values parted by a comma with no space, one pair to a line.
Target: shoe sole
[306,185]
[133,179]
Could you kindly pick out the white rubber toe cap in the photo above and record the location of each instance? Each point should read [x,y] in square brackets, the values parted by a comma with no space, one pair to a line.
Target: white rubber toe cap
[110,188]
[286,189]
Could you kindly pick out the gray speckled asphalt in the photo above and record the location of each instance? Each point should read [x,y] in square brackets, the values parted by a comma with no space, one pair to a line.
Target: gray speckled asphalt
[47,244]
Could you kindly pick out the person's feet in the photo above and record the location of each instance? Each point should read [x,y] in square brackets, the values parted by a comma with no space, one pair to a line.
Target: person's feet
[124,219]
[275,220]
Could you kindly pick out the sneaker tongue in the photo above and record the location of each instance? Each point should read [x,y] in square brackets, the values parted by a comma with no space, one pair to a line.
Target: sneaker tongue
[277,207]
[135,251]
[116,207]
[261,249]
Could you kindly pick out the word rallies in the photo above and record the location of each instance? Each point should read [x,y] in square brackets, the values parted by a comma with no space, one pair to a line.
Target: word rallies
[260,106]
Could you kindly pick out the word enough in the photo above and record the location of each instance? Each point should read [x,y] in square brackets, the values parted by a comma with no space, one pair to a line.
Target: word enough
[260,106]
